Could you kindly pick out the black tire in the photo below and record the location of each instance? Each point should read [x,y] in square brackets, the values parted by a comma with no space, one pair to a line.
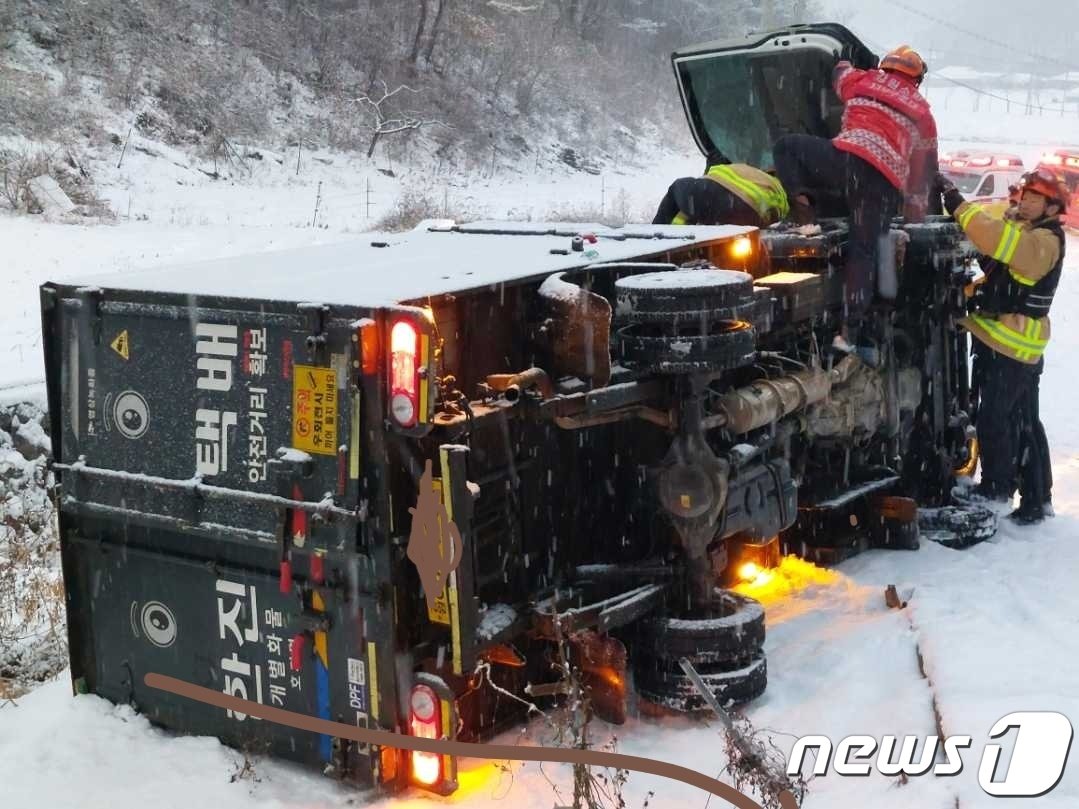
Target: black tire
[684,349]
[671,688]
[730,633]
[756,310]
[683,295]
[958,526]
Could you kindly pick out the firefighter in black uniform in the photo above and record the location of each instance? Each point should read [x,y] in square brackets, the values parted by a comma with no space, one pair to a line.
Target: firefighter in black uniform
[1009,318]
[728,194]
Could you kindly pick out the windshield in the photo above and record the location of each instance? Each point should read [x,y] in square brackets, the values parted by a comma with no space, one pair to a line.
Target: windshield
[966,183]
[743,102]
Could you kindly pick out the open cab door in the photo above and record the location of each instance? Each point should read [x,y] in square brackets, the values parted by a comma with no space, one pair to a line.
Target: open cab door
[740,96]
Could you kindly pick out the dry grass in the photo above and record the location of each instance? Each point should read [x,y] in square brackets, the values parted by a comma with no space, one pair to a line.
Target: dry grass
[33,637]
[19,166]
[413,205]
[618,212]
[17,169]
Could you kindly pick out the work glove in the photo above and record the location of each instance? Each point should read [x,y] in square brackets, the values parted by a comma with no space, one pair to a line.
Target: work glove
[946,188]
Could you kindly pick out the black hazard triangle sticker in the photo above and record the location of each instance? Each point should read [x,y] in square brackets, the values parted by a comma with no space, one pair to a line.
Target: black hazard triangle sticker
[121,344]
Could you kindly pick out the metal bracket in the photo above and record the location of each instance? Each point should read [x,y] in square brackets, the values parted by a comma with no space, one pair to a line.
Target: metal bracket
[316,315]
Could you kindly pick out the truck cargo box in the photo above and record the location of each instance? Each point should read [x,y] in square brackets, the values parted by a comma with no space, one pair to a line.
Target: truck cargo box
[219,435]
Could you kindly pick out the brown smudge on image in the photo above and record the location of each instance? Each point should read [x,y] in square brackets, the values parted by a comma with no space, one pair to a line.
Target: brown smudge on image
[385,738]
[434,544]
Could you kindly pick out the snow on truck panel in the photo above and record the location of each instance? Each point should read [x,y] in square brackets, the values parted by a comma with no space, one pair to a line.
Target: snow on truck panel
[674,279]
[411,266]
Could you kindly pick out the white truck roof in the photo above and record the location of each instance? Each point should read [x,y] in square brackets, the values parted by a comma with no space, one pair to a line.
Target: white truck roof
[434,258]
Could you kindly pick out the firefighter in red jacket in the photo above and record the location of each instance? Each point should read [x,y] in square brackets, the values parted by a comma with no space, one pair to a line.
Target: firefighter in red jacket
[1024,258]
[884,159]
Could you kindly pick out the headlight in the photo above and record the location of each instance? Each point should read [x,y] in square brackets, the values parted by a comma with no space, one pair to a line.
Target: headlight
[742,247]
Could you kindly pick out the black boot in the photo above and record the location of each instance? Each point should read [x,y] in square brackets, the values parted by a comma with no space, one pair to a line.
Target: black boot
[802,210]
[1027,515]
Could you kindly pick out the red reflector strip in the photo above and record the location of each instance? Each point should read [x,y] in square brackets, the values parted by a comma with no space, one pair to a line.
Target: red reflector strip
[296,652]
[299,518]
[317,572]
[286,576]
[342,470]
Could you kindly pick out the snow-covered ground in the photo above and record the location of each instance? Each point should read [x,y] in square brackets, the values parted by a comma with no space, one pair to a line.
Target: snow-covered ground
[998,624]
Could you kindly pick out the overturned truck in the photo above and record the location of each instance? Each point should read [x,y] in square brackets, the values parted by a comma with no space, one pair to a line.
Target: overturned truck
[614,421]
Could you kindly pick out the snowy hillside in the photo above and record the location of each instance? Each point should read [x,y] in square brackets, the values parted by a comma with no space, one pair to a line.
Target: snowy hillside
[169,210]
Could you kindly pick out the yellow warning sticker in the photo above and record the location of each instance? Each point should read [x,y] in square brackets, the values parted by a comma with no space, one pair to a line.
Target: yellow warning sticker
[121,345]
[440,613]
[314,409]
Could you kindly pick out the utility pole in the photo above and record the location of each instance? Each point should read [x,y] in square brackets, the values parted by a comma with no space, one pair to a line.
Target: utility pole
[367,212]
[124,151]
[318,199]
[768,14]
[1030,88]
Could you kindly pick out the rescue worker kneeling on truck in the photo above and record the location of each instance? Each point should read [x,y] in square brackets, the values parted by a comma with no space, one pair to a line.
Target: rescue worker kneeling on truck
[1010,321]
[727,194]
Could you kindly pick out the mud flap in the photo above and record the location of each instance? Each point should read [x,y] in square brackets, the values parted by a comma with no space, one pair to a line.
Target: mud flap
[603,665]
[578,330]
[893,523]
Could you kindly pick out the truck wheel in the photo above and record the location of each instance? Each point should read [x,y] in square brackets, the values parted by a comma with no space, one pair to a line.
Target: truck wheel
[725,345]
[732,630]
[957,526]
[667,685]
[684,295]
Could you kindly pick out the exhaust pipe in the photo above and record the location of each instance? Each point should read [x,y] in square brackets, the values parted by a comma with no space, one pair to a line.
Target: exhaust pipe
[769,400]
[511,386]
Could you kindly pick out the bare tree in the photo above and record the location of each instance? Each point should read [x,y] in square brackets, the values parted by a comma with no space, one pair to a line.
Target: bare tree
[386,122]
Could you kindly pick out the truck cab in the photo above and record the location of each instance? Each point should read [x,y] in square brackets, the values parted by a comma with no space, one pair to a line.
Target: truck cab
[741,96]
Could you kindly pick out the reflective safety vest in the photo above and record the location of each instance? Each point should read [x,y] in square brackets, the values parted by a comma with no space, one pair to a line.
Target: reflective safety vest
[1011,307]
[758,189]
